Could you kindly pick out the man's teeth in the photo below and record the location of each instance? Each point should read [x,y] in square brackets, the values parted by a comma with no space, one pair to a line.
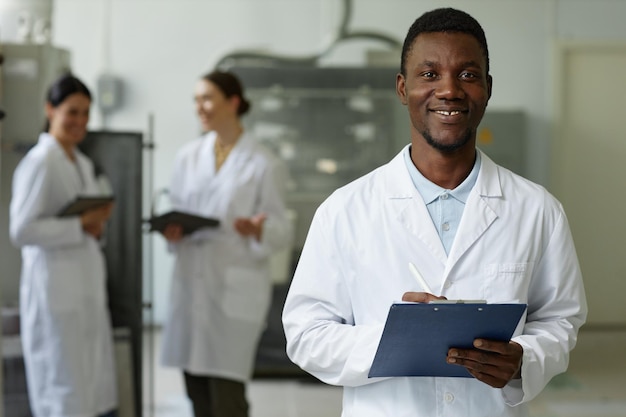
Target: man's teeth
[448,113]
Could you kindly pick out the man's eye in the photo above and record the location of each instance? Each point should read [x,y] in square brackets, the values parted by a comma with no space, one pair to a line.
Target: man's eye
[468,75]
[428,74]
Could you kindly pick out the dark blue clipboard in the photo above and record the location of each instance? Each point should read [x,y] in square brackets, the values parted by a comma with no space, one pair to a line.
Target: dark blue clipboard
[417,336]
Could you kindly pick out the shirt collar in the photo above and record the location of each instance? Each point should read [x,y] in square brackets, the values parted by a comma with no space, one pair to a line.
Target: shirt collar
[431,191]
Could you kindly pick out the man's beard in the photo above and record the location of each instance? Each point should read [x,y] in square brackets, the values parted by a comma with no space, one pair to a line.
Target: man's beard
[448,148]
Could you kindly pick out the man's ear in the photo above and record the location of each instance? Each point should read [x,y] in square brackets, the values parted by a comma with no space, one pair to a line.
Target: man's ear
[489,85]
[401,88]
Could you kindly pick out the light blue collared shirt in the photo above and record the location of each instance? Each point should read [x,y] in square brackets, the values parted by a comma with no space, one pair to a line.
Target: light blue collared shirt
[445,206]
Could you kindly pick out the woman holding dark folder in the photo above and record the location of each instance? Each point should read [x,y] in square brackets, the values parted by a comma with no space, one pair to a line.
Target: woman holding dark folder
[221,289]
[66,331]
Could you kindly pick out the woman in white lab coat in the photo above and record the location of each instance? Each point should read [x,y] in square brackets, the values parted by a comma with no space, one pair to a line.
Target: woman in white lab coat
[66,332]
[221,288]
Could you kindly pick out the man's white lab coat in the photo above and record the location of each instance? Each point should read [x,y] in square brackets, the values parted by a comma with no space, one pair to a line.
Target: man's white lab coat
[221,288]
[513,245]
[65,327]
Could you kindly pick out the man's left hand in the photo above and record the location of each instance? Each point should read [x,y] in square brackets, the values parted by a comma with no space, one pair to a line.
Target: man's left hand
[492,362]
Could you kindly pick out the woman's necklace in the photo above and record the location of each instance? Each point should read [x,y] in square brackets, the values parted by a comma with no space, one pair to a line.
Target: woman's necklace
[221,152]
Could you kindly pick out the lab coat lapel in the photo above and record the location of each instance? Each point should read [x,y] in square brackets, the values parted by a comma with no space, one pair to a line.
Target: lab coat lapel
[89,186]
[237,157]
[70,178]
[206,155]
[479,212]
[410,208]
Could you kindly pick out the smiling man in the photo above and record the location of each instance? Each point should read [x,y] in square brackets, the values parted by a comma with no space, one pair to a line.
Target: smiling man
[475,230]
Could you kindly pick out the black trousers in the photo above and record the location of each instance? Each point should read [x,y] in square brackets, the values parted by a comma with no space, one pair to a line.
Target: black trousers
[216,397]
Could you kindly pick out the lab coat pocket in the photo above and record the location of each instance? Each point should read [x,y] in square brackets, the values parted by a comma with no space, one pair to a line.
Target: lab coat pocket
[507,283]
[246,294]
[245,197]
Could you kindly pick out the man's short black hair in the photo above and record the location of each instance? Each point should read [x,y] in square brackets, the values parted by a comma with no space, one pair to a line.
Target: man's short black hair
[444,20]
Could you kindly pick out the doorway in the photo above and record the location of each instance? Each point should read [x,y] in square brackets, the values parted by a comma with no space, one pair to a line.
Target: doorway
[589,170]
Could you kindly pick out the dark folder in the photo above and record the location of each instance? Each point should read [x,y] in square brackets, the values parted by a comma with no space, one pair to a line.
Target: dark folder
[189,222]
[82,204]
[416,337]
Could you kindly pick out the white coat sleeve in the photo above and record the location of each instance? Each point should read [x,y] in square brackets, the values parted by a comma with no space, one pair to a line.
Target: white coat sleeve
[277,229]
[31,222]
[557,308]
[318,321]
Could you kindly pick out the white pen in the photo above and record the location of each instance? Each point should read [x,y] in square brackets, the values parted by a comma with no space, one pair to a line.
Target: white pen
[419,278]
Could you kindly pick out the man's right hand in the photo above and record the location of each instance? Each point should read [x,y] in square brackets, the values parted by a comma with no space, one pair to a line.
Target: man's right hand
[420,297]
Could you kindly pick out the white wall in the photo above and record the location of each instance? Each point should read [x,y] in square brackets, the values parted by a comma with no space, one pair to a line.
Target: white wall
[160,47]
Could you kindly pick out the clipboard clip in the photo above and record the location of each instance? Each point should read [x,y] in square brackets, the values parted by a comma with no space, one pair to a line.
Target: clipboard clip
[458,302]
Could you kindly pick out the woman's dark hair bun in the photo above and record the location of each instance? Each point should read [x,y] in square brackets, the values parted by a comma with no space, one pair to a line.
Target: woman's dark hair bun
[244,106]
[231,86]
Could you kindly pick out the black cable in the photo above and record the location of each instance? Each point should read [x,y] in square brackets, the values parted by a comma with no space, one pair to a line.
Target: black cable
[253,58]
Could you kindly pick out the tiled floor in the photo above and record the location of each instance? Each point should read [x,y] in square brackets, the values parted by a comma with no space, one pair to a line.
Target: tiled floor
[594,386]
